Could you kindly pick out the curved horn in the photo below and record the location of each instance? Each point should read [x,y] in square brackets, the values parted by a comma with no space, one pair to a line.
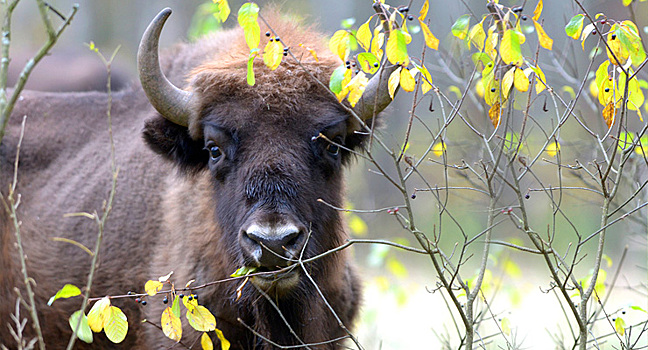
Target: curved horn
[376,95]
[171,102]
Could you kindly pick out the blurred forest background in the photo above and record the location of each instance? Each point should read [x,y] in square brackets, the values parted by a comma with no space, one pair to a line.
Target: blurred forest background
[399,310]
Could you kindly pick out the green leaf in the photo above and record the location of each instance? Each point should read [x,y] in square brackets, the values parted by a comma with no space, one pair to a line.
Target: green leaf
[368,62]
[460,27]
[575,26]
[243,271]
[335,84]
[84,332]
[638,308]
[397,47]
[67,291]
[222,10]
[116,325]
[250,67]
[348,22]
[247,19]
[510,48]
[175,307]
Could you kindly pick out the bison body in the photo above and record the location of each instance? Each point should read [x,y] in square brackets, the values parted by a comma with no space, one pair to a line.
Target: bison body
[236,183]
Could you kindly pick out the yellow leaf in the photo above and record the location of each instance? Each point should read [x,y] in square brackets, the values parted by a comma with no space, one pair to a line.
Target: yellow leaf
[430,40]
[510,48]
[116,325]
[358,226]
[477,35]
[586,32]
[609,112]
[543,38]
[619,324]
[339,44]
[427,79]
[357,87]
[345,81]
[616,47]
[206,343]
[225,344]
[171,325]
[506,323]
[540,78]
[377,42]
[272,54]
[98,314]
[494,114]
[537,11]
[407,81]
[521,81]
[201,319]
[479,88]
[439,148]
[507,82]
[424,11]
[553,148]
[223,10]
[363,35]
[394,80]
[311,51]
[152,287]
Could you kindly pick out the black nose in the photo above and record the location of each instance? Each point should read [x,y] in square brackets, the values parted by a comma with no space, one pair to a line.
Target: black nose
[273,246]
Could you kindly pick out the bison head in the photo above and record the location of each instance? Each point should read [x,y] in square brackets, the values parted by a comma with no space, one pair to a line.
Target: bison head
[271,150]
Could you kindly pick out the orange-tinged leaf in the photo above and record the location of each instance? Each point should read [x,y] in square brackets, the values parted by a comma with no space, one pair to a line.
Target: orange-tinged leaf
[394,81]
[537,11]
[609,112]
[339,44]
[363,35]
[98,314]
[201,319]
[171,325]
[407,81]
[272,54]
[521,80]
[397,48]
[356,88]
[116,325]
[424,11]
[494,113]
[152,287]
[510,48]
[225,344]
[206,342]
[543,38]
[430,40]
[507,82]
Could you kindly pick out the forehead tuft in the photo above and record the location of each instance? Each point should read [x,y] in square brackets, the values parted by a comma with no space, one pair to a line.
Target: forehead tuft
[291,88]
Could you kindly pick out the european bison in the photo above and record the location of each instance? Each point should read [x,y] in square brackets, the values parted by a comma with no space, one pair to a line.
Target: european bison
[226,175]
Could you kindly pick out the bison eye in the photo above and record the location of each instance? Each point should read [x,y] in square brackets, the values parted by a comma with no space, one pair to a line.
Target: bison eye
[333,150]
[214,152]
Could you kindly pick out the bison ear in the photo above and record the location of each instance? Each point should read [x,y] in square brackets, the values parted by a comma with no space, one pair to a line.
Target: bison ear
[174,143]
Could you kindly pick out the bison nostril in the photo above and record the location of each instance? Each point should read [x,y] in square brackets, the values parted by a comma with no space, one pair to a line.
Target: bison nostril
[273,245]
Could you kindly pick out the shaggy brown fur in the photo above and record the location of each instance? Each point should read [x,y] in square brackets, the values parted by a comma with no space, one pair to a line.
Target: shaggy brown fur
[186,220]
